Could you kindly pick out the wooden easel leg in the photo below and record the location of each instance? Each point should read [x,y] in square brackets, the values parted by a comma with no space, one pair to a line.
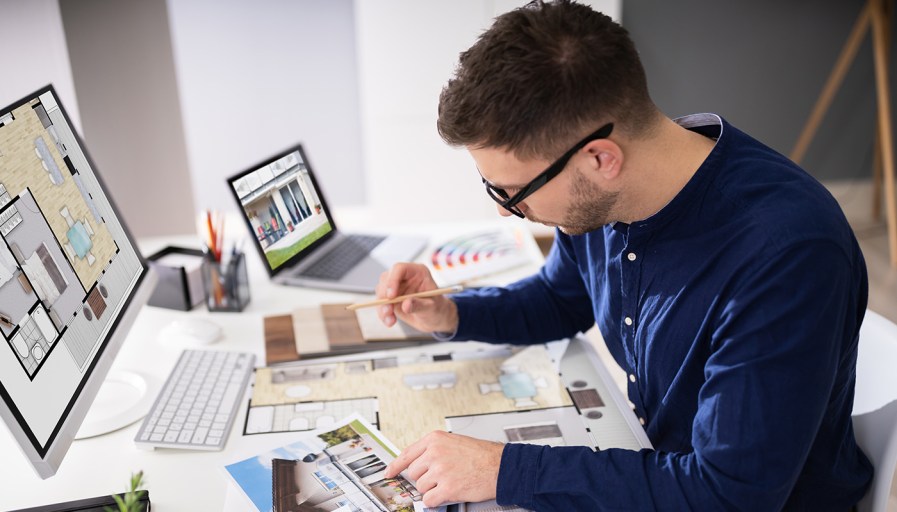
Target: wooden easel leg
[877,170]
[876,175]
[848,52]
[880,22]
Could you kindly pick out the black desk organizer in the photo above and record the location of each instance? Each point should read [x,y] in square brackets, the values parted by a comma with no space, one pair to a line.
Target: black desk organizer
[176,288]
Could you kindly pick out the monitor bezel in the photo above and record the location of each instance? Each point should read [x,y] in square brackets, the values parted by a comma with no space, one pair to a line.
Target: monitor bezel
[46,459]
[310,249]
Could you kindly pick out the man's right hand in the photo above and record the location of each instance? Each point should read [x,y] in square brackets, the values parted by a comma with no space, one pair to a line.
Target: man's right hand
[434,314]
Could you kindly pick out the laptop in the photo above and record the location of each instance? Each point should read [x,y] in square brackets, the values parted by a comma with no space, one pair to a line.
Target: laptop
[291,226]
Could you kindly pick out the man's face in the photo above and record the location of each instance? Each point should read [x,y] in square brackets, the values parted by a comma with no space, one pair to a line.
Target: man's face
[571,201]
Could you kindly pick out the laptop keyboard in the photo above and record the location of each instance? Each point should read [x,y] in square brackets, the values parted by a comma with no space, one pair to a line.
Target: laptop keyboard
[342,257]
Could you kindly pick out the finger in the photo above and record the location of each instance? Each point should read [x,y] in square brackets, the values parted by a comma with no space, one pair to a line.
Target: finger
[416,306]
[409,310]
[406,458]
[434,497]
[416,470]
[386,315]
[398,274]
[425,483]
[408,278]
[380,290]
[394,468]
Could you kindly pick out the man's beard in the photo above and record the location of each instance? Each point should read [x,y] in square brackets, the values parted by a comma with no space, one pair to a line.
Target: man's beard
[589,207]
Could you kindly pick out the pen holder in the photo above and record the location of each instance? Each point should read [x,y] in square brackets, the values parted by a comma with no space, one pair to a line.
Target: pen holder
[226,283]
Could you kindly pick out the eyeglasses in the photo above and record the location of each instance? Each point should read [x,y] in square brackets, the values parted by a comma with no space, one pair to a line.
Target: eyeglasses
[510,203]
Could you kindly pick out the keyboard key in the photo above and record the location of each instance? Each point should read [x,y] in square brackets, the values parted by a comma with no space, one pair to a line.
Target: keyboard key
[199,437]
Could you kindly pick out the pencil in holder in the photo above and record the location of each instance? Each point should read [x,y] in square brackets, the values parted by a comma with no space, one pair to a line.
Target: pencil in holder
[226,283]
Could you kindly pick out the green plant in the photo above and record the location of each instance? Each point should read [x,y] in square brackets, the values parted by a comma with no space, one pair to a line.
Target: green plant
[131,500]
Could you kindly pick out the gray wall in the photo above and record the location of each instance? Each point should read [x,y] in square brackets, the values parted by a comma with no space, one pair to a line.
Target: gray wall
[123,70]
[762,65]
[38,24]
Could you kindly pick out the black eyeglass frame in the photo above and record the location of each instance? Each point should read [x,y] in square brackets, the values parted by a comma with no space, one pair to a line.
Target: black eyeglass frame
[510,202]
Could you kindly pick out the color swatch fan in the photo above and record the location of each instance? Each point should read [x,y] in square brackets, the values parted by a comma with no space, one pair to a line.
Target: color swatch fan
[468,257]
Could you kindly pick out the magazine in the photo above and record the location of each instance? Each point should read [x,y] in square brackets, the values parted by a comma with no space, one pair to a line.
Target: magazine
[339,469]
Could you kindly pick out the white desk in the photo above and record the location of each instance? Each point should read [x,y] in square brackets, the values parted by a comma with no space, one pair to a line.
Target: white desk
[177,480]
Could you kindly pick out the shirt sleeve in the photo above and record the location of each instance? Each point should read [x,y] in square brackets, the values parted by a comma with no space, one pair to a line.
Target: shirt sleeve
[769,376]
[547,306]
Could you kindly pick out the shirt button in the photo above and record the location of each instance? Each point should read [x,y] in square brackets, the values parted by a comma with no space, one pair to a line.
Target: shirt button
[631,256]
[627,321]
[631,377]
[642,421]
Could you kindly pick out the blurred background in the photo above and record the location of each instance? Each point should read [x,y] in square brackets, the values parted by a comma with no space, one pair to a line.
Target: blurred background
[173,96]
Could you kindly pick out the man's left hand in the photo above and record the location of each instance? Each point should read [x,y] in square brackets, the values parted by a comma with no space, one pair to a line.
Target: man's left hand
[450,468]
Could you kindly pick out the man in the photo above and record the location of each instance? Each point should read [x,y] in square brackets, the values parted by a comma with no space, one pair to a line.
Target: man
[725,281]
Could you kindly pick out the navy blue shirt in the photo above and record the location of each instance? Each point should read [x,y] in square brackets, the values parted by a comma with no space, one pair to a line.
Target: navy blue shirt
[735,312]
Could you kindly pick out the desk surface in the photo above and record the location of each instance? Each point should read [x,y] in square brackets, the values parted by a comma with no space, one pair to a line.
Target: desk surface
[180,480]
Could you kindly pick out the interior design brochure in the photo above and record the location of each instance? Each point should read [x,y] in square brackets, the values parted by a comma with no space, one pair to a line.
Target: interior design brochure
[340,469]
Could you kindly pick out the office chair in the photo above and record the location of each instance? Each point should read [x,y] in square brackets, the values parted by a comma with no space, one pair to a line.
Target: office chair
[875,406]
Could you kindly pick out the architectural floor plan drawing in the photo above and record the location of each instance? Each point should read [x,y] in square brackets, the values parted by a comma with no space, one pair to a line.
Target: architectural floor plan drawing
[55,246]
[509,394]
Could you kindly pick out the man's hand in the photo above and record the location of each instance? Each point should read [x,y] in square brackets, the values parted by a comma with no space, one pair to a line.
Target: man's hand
[434,314]
[450,467]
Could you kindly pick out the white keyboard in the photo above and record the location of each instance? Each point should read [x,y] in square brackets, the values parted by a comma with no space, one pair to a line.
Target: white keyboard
[198,403]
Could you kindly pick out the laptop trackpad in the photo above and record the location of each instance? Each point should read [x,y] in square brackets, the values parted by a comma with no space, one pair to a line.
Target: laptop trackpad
[397,249]
[365,273]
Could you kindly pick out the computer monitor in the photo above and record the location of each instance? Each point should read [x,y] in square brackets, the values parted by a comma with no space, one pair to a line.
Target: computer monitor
[71,279]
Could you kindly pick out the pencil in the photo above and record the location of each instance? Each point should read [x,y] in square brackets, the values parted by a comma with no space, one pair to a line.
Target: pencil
[400,298]
[210,234]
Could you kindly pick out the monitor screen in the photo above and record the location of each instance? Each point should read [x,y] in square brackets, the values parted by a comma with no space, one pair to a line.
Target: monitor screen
[69,278]
[283,206]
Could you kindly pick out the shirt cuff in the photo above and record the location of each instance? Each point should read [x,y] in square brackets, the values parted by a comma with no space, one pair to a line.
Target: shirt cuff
[517,475]
[444,336]
[461,307]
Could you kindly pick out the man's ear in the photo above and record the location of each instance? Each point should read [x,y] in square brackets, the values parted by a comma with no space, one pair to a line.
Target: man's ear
[605,157]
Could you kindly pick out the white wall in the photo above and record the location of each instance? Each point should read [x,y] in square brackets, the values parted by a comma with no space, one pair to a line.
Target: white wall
[256,77]
[407,50]
[33,53]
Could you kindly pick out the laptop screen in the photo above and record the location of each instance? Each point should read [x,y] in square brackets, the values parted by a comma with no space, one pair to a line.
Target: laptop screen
[283,207]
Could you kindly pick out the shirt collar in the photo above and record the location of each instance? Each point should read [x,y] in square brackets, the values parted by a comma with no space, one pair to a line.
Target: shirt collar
[708,125]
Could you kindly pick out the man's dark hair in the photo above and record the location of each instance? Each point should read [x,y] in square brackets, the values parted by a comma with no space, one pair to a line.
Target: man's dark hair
[542,77]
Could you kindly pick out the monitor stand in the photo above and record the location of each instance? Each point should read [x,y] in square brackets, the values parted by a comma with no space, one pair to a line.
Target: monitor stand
[124,398]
